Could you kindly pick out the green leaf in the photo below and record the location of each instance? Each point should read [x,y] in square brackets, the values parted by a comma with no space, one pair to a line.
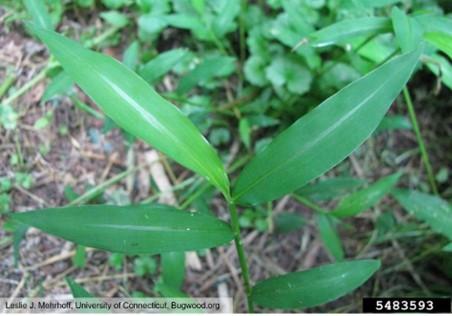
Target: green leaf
[85,3]
[60,84]
[325,136]
[173,266]
[225,13]
[364,199]
[394,122]
[406,34]
[131,57]
[79,259]
[377,4]
[19,230]
[192,23]
[43,121]
[447,248]
[8,117]
[245,132]
[116,4]
[144,265]
[435,23]
[169,291]
[136,107]
[329,236]
[378,50]
[330,188]
[433,210]
[343,31]
[152,23]
[199,6]
[288,222]
[149,229]
[440,40]
[160,65]
[77,290]
[255,71]
[115,18]
[287,71]
[4,202]
[440,66]
[209,68]
[38,12]
[315,286]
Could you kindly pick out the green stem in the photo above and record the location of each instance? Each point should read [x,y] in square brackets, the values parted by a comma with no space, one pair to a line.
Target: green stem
[309,204]
[420,141]
[40,76]
[241,254]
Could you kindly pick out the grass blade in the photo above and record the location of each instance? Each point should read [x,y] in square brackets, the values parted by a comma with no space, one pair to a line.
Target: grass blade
[346,29]
[428,208]
[135,229]
[440,40]
[329,235]
[364,199]
[325,136]
[315,286]
[136,107]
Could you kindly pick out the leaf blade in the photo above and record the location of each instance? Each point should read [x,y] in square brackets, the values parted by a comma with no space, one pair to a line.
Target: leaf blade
[160,65]
[315,286]
[440,40]
[364,199]
[329,235]
[428,208]
[344,30]
[136,107]
[77,290]
[135,229]
[39,13]
[173,266]
[403,29]
[325,136]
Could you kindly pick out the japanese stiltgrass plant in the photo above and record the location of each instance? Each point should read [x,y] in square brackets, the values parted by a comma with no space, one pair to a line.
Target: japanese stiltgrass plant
[373,51]
[312,145]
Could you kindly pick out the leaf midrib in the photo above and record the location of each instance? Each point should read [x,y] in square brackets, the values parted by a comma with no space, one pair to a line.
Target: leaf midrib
[143,112]
[323,135]
[146,228]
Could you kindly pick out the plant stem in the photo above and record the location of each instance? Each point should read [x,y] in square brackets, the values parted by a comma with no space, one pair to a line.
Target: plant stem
[241,255]
[28,85]
[309,204]
[420,141]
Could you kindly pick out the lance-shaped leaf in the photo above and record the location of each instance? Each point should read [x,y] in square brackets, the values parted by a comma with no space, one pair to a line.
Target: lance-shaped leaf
[406,35]
[315,286]
[329,235]
[344,30]
[136,107]
[173,266]
[160,65]
[38,12]
[77,290]
[440,40]
[428,208]
[325,136]
[330,188]
[364,199]
[131,229]
[435,23]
